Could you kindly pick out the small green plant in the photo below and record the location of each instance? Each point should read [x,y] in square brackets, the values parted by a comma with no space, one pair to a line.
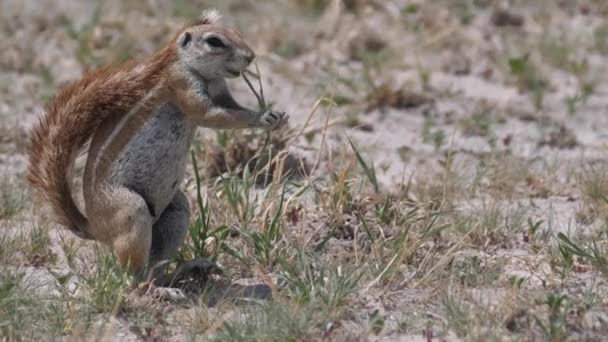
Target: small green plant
[517,282]
[200,231]
[36,246]
[184,8]
[385,211]
[479,124]
[592,253]
[310,281]
[266,243]
[435,136]
[464,10]
[11,200]
[490,224]
[563,264]
[572,102]
[529,79]
[313,7]
[16,305]
[470,271]
[368,168]
[108,284]
[340,192]
[601,38]
[271,321]
[26,312]
[425,75]
[83,36]
[410,9]
[376,322]
[69,245]
[594,188]
[237,192]
[555,327]
[558,52]
[457,315]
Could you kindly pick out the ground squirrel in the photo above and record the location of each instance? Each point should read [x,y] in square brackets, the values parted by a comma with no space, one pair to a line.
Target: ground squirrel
[140,119]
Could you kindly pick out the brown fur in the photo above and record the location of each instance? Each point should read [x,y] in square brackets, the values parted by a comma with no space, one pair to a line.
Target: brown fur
[73,116]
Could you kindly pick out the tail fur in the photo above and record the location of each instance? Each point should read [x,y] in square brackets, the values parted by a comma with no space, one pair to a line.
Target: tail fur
[69,123]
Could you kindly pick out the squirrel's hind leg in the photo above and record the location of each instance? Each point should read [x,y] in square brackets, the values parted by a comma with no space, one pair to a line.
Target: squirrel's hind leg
[169,232]
[125,223]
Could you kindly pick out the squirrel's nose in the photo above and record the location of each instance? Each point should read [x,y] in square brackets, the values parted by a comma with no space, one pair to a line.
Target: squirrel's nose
[249,56]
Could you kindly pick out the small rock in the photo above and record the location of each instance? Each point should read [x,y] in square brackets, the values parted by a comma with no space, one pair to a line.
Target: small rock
[385,96]
[169,294]
[366,127]
[502,17]
[369,42]
[562,138]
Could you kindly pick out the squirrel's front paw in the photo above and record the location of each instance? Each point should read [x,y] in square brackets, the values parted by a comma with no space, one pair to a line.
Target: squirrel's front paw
[274,120]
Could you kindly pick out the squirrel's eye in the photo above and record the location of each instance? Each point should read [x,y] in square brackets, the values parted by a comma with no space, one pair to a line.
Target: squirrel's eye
[215,42]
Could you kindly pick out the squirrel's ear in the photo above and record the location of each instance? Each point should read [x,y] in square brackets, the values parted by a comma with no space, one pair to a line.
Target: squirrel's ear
[184,39]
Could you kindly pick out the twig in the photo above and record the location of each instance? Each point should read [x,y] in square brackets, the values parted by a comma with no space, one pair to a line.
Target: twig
[259,96]
[379,277]
[262,107]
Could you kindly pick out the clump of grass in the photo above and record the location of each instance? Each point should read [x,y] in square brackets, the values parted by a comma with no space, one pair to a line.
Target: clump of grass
[311,281]
[70,246]
[201,230]
[18,308]
[267,245]
[458,315]
[558,52]
[38,246]
[368,168]
[108,284]
[28,313]
[436,136]
[316,7]
[503,174]
[555,326]
[185,8]
[313,7]
[29,246]
[529,79]
[475,271]
[83,36]
[594,253]
[314,292]
[11,199]
[600,35]
[581,97]
[593,185]
[8,247]
[441,189]
[272,321]
[478,124]
[490,225]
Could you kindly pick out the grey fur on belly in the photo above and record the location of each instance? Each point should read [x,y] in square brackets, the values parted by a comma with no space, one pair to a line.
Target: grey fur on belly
[154,161]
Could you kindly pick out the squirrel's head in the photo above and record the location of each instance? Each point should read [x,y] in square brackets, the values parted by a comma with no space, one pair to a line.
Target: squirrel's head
[212,51]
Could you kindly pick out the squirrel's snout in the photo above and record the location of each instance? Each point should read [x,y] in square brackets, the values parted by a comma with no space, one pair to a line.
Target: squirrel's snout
[249,57]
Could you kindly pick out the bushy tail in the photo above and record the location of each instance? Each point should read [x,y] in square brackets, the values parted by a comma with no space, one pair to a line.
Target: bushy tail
[69,123]
[54,145]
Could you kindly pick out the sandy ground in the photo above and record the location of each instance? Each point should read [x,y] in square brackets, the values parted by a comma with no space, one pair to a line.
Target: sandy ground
[447,89]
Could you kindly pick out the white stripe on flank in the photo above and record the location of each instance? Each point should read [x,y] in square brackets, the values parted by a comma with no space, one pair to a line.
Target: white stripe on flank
[123,121]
